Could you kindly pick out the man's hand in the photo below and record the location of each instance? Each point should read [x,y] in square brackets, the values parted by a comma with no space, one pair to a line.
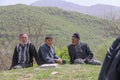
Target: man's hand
[59,61]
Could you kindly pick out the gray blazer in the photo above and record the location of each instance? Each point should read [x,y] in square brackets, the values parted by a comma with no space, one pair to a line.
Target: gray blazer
[45,54]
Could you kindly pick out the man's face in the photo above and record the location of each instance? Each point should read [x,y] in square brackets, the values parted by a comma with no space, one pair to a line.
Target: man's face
[49,42]
[24,38]
[75,41]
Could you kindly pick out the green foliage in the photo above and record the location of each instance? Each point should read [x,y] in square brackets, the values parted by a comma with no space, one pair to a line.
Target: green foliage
[63,53]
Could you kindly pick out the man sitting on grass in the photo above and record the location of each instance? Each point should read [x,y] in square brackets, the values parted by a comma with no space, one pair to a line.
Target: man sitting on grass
[80,53]
[24,53]
[47,53]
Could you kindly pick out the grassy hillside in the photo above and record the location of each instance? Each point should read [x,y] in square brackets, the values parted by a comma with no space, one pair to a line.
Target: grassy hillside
[39,21]
[22,18]
[64,72]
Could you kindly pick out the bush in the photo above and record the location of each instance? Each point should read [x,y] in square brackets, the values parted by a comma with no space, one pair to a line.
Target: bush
[63,53]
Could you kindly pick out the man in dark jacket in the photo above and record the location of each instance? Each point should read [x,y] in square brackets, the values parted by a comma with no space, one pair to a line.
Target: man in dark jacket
[111,67]
[24,53]
[47,53]
[80,53]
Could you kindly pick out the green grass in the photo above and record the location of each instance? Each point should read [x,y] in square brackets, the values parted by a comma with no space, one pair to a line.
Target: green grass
[65,72]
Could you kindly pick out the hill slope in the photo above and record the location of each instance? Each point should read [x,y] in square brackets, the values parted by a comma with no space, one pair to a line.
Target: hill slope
[101,10]
[44,20]
[39,21]
[22,18]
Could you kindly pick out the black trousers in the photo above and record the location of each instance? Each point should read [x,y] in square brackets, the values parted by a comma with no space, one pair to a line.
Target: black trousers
[92,62]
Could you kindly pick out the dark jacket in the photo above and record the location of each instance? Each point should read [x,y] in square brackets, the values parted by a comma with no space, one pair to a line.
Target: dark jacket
[45,56]
[111,67]
[32,53]
[85,54]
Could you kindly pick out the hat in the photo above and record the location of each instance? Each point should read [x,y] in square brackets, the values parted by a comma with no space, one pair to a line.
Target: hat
[49,36]
[76,35]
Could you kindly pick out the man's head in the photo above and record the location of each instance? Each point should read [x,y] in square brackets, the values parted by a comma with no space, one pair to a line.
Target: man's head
[49,40]
[75,38]
[23,37]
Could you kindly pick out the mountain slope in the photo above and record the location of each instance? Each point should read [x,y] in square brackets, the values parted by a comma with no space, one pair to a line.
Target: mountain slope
[39,21]
[62,24]
[95,10]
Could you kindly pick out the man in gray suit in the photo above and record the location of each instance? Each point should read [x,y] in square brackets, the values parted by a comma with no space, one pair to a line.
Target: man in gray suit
[47,53]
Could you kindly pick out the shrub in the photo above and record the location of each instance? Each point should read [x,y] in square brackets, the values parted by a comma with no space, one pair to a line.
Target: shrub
[63,53]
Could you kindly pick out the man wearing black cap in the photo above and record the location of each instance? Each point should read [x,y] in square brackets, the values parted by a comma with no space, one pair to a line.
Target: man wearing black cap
[47,53]
[80,53]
